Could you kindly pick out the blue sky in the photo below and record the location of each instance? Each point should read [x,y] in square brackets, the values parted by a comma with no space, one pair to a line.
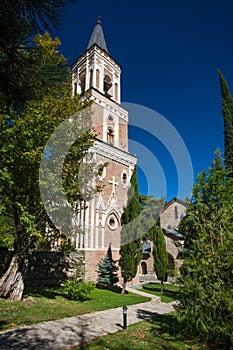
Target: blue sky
[169,52]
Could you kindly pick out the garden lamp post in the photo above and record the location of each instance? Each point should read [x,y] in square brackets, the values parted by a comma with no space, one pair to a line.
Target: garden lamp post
[124,316]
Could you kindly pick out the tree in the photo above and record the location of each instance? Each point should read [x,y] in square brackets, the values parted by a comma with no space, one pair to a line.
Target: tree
[23,139]
[20,21]
[205,302]
[131,232]
[227,111]
[160,254]
[107,270]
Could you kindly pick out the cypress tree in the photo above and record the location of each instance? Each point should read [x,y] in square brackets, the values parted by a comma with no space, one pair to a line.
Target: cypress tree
[227,111]
[160,254]
[107,270]
[131,243]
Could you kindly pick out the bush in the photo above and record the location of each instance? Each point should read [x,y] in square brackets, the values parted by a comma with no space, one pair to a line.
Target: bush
[78,290]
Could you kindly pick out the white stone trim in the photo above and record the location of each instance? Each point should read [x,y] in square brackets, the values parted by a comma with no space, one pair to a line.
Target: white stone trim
[105,150]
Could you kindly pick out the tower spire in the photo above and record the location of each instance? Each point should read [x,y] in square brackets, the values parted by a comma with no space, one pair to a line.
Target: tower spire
[97,37]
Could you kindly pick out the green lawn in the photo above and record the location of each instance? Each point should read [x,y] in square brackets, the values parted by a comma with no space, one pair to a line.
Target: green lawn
[170,292]
[51,304]
[162,332]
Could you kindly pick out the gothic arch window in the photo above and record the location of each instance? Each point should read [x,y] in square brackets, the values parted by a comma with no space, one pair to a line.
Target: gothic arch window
[110,135]
[116,91]
[97,78]
[91,78]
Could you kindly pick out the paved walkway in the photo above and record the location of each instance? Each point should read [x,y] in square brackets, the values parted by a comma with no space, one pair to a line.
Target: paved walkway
[68,332]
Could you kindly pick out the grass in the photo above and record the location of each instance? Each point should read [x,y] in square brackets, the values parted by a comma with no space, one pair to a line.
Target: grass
[51,304]
[162,332]
[169,294]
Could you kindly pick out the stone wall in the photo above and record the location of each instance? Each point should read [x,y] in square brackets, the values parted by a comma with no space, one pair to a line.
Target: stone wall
[47,269]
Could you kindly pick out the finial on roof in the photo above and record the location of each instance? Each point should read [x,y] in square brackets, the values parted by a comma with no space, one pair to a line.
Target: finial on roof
[97,37]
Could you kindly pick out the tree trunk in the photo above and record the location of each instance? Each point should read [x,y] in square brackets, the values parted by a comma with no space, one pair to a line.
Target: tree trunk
[162,286]
[12,282]
[123,287]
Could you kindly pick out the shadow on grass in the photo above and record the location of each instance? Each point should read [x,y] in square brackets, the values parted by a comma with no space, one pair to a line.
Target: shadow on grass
[49,293]
[2,323]
[166,292]
[166,326]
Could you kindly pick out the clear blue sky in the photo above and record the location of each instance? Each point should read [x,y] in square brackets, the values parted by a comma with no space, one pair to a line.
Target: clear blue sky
[169,52]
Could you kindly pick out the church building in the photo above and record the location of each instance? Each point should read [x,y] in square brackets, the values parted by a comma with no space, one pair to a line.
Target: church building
[96,71]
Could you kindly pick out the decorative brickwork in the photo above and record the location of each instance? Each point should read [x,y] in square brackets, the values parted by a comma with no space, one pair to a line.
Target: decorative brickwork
[110,123]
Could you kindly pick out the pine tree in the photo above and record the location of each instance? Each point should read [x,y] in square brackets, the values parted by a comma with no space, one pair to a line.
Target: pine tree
[227,111]
[160,254]
[131,242]
[107,270]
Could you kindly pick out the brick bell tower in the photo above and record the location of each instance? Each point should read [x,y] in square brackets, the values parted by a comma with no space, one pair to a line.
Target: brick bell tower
[95,70]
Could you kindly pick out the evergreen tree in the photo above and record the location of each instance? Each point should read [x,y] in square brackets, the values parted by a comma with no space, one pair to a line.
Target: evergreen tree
[227,111]
[160,254]
[107,270]
[20,21]
[206,287]
[131,232]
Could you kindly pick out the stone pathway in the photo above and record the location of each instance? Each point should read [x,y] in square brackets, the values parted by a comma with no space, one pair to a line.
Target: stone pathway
[66,333]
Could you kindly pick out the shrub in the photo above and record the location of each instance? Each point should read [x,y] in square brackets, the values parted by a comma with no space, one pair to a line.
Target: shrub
[78,290]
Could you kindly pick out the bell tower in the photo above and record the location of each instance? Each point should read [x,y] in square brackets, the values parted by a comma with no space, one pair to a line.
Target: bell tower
[96,71]
[96,68]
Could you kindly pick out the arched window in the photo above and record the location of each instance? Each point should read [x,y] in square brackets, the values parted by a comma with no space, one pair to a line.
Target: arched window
[144,268]
[110,136]
[91,78]
[124,179]
[82,79]
[97,78]
[107,85]
[116,91]
[75,88]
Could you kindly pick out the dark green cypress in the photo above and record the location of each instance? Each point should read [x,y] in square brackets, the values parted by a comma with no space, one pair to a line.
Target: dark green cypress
[160,254]
[131,242]
[227,111]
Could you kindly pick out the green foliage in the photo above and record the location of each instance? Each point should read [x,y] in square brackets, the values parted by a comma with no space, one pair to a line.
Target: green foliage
[160,254]
[78,290]
[227,112]
[206,283]
[131,248]
[6,231]
[107,270]
[21,69]
[23,138]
